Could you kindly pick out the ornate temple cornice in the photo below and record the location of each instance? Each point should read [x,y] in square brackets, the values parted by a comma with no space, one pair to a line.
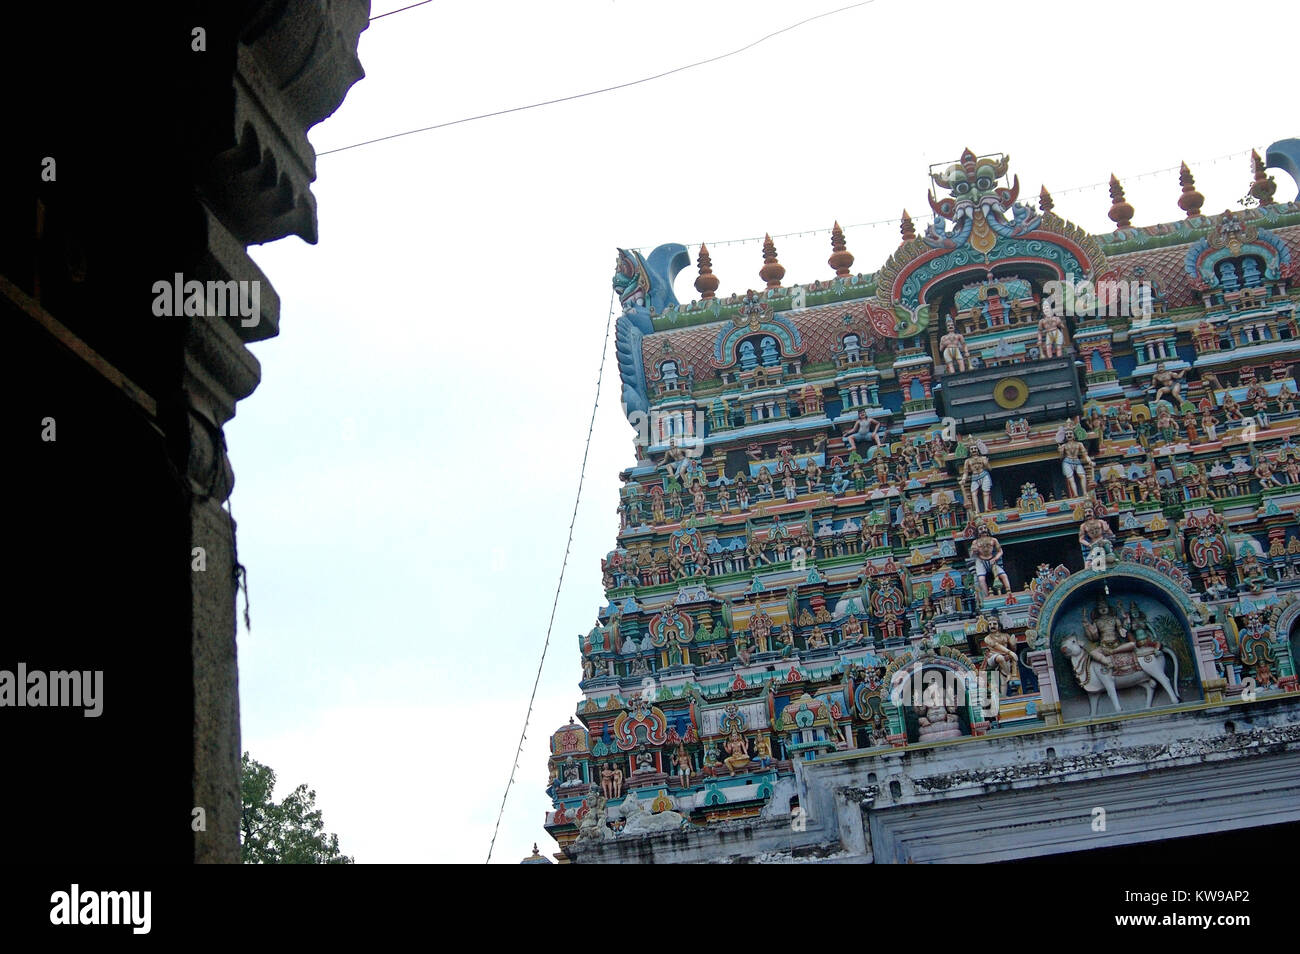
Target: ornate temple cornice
[292,67]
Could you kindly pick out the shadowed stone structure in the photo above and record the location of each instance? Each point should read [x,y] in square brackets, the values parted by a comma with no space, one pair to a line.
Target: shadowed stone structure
[153,147]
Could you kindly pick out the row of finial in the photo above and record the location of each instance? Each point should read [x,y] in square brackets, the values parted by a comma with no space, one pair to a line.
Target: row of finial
[1262,188]
[1121,213]
[773,271]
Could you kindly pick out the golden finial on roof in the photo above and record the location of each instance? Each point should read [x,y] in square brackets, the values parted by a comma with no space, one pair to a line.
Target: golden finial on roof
[1045,200]
[1263,187]
[772,271]
[707,283]
[1121,212]
[1191,200]
[841,258]
[906,228]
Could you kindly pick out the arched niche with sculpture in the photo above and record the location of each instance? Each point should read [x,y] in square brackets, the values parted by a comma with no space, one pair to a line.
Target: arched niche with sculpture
[1122,636]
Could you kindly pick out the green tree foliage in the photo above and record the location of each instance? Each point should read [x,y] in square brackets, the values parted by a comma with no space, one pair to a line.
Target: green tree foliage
[290,832]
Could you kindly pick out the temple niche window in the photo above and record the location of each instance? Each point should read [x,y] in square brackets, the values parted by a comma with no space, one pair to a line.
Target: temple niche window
[852,347]
[1235,274]
[668,372]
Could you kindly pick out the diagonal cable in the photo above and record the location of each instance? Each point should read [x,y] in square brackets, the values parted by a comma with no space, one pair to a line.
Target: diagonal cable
[606,89]
[582,476]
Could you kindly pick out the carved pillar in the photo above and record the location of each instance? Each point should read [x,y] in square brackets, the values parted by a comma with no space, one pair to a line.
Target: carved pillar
[1205,639]
[1045,672]
[253,170]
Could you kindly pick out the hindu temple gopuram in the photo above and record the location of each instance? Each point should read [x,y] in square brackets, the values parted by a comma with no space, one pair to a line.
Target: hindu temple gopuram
[990,554]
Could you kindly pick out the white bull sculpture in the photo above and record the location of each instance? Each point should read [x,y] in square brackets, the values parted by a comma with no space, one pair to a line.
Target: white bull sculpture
[1094,677]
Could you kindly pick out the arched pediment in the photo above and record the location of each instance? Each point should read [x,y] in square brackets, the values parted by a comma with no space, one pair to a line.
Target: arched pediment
[1233,239]
[783,330]
[1133,605]
[1055,244]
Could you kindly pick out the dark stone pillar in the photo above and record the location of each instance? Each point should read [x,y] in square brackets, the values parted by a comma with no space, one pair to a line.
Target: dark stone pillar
[168,160]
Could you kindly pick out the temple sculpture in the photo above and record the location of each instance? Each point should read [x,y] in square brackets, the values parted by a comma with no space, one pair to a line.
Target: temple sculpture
[1020,481]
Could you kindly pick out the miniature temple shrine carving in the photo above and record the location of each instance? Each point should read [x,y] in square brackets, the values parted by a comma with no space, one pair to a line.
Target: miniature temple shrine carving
[1022,491]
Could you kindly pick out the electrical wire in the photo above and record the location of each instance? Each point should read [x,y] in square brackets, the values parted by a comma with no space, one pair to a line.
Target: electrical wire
[582,476]
[597,92]
[399,10]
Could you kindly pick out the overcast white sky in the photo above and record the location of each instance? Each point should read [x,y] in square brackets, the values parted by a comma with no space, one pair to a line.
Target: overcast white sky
[406,470]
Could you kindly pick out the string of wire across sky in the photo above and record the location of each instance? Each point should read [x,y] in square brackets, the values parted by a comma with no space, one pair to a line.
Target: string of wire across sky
[595,92]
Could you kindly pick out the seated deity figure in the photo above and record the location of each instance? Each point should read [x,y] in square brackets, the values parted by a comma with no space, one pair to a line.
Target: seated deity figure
[645,763]
[953,349]
[1124,418]
[852,630]
[572,774]
[1051,336]
[1000,655]
[744,650]
[737,750]
[1094,533]
[988,559]
[938,449]
[1168,382]
[1073,458]
[1265,473]
[977,475]
[1216,584]
[1286,399]
[1112,646]
[937,722]
[1135,623]
[1252,574]
[675,460]
[862,429]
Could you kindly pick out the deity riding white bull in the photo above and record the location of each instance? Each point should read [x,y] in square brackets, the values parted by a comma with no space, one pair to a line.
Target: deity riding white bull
[1094,676]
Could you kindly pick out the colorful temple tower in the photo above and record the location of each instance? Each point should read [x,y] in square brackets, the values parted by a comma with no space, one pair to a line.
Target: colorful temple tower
[990,554]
